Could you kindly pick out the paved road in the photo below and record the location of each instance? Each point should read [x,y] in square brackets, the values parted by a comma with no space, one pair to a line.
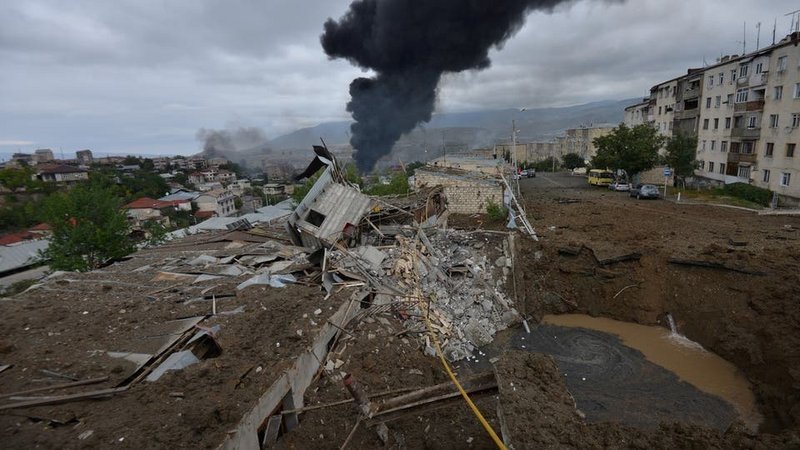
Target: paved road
[558,180]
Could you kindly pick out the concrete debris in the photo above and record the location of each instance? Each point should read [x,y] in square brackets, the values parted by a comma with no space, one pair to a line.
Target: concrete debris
[276,281]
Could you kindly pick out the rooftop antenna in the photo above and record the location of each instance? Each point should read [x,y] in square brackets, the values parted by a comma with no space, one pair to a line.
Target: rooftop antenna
[758,36]
[795,22]
[774,27]
[744,38]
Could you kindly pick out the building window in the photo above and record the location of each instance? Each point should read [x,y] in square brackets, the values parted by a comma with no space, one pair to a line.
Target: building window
[773,121]
[790,150]
[711,81]
[735,147]
[743,70]
[747,147]
[797,90]
[702,165]
[795,120]
[737,122]
[727,123]
[751,122]
[744,172]
[713,145]
[733,76]
[708,102]
[705,124]
[723,146]
[722,168]
[769,149]
[778,92]
[659,110]
[716,123]
[717,101]
[729,100]
[711,166]
[765,177]
[741,95]
[704,144]
[782,64]
[759,67]
[721,78]
[786,177]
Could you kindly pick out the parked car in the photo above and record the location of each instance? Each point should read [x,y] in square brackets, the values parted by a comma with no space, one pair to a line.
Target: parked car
[619,186]
[531,173]
[645,191]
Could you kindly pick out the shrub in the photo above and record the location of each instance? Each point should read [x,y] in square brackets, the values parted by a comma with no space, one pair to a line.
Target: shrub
[495,212]
[748,192]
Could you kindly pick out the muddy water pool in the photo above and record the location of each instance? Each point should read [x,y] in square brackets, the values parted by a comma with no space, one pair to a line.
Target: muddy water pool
[634,374]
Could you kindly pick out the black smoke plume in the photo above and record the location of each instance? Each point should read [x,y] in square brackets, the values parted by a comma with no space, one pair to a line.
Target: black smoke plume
[410,44]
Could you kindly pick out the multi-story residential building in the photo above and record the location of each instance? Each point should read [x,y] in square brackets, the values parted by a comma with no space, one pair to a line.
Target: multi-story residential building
[637,114]
[218,201]
[662,105]
[43,155]
[778,162]
[581,140]
[749,119]
[84,157]
[686,115]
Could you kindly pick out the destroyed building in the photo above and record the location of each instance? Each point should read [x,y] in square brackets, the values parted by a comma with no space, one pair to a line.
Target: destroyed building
[214,337]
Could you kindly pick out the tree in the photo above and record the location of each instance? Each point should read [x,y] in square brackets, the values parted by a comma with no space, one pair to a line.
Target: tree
[631,149]
[681,152]
[573,161]
[89,229]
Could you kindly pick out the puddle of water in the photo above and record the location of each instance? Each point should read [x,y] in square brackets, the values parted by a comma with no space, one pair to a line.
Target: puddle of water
[685,358]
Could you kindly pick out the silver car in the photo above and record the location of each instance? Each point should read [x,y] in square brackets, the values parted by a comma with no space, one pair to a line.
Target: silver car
[645,191]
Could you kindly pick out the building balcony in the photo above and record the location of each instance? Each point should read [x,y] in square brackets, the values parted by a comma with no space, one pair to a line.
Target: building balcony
[746,133]
[755,105]
[691,93]
[742,158]
[686,114]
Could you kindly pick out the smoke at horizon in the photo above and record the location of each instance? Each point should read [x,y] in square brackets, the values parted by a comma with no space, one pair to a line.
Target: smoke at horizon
[410,45]
[227,143]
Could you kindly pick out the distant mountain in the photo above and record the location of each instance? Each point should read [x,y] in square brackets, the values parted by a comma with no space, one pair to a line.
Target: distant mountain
[533,124]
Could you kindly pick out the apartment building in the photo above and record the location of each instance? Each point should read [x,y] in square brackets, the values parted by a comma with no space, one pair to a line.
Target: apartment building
[752,135]
[778,163]
[637,114]
[662,105]
[581,140]
[686,114]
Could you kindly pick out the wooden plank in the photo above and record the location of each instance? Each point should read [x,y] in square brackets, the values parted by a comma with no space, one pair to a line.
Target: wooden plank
[713,265]
[65,398]
[271,433]
[57,386]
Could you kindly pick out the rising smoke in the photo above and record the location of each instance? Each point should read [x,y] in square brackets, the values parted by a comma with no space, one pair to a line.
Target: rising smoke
[226,143]
[410,44]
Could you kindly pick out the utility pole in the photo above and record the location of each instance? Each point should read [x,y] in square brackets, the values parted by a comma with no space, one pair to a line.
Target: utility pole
[514,153]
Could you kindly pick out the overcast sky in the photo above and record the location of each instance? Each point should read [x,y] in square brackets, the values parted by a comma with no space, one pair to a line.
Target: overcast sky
[142,76]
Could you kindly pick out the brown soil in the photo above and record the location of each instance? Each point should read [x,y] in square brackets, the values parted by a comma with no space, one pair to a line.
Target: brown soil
[192,408]
[749,319]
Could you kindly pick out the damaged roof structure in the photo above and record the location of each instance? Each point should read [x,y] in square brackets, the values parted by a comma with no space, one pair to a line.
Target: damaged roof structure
[213,339]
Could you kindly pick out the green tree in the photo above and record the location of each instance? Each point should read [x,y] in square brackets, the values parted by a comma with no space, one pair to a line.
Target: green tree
[412,168]
[14,179]
[89,229]
[631,149]
[398,184]
[573,161]
[681,152]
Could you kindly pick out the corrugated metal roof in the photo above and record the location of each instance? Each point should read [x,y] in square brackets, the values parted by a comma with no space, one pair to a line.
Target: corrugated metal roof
[181,195]
[340,205]
[21,255]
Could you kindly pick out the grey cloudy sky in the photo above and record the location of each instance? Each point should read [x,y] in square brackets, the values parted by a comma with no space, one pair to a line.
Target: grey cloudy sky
[142,76]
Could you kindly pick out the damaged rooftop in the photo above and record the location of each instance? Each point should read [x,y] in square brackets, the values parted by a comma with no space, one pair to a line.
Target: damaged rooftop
[356,321]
